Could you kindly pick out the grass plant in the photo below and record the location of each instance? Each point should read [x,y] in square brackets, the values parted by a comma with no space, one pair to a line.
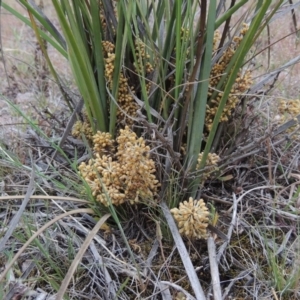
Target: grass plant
[169,124]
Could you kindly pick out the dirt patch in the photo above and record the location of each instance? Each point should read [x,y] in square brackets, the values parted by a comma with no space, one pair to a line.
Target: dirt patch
[27,81]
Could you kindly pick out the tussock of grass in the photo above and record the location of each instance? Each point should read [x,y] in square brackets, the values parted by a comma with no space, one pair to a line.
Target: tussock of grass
[58,241]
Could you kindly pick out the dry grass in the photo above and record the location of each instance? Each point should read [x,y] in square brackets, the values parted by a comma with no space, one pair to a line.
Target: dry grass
[26,82]
[259,261]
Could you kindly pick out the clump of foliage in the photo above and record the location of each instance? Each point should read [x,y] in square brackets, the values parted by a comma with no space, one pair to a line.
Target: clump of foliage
[242,82]
[164,88]
[122,173]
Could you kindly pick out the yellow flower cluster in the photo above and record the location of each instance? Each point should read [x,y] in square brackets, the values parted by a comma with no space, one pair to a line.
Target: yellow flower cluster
[102,17]
[185,34]
[211,164]
[128,107]
[142,57]
[108,49]
[216,40]
[192,218]
[82,128]
[125,100]
[289,109]
[241,85]
[126,176]
[102,142]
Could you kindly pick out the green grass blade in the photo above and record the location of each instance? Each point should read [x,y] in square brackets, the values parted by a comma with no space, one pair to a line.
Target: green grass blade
[141,11]
[83,22]
[97,39]
[197,126]
[121,41]
[229,13]
[57,45]
[81,67]
[45,22]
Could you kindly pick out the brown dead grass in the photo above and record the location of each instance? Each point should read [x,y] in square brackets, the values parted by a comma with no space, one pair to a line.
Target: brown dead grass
[21,76]
[280,53]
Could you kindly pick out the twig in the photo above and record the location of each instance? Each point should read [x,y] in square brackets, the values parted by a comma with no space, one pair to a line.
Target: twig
[229,234]
[165,291]
[159,237]
[180,289]
[206,197]
[45,197]
[214,270]
[250,191]
[150,257]
[216,231]
[16,219]
[271,181]
[274,294]
[228,288]
[111,287]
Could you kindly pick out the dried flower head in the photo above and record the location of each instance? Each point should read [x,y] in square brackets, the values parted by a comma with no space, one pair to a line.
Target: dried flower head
[82,128]
[211,164]
[138,168]
[241,85]
[102,141]
[143,59]
[126,174]
[126,102]
[216,40]
[289,109]
[192,218]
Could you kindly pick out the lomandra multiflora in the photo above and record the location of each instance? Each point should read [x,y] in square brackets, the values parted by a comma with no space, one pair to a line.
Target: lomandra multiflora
[192,218]
[121,170]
